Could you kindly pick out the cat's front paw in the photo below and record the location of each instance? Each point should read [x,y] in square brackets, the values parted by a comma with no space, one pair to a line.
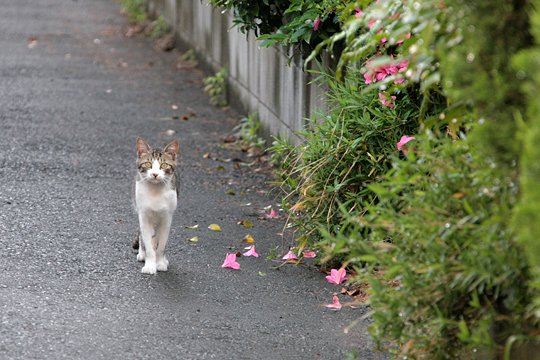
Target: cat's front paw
[149,269]
[162,264]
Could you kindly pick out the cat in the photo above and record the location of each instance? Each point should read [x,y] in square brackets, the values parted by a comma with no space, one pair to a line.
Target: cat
[155,201]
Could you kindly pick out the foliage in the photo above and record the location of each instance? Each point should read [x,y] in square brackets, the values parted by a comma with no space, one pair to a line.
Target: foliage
[526,217]
[160,28]
[343,153]
[248,131]
[298,23]
[189,56]
[448,279]
[135,10]
[216,87]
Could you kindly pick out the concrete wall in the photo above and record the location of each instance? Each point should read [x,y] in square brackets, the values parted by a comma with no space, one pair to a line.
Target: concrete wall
[261,81]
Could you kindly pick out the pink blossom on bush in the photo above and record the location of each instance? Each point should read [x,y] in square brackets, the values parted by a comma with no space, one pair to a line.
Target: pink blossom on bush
[317,23]
[399,42]
[387,100]
[402,142]
[367,77]
[358,12]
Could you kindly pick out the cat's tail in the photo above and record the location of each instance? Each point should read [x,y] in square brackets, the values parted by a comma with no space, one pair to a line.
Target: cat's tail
[135,241]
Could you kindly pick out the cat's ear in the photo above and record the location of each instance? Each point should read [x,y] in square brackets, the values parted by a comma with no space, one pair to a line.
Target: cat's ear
[172,149]
[142,147]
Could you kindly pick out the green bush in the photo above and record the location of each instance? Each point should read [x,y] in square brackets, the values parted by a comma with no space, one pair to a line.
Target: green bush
[160,28]
[448,278]
[215,86]
[299,23]
[135,9]
[344,151]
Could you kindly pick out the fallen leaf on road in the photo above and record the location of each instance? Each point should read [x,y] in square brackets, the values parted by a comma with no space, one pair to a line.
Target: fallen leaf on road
[249,239]
[174,107]
[251,252]
[290,256]
[336,276]
[214,227]
[230,262]
[206,155]
[196,226]
[309,254]
[246,223]
[335,305]
[194,239]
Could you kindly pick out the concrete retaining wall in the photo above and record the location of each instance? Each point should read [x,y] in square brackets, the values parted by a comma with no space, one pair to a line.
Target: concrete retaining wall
[261,81]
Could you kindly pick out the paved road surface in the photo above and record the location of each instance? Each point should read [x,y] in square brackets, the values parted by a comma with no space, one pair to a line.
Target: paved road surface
[74,95]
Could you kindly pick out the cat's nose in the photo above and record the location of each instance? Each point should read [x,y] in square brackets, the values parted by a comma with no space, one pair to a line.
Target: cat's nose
[155,175]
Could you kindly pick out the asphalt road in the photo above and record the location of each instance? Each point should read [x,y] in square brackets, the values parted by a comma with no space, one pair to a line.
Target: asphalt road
[74,95]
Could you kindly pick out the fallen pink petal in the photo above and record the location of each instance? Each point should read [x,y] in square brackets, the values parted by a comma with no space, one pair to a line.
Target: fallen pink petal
[335,305]
[251,252]
[404,140]
[309,254]
[290,256]
[272,215]
[230,262]
[336,276]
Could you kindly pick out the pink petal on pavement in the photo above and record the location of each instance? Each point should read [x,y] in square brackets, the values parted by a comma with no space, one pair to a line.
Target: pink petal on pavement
[404,140]
[309,254]
[336,276]
[251,252]
[230,262]
[272,215]
[290,256]
[335,305]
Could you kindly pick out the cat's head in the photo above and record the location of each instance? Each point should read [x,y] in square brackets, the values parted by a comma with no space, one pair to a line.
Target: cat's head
[155,165]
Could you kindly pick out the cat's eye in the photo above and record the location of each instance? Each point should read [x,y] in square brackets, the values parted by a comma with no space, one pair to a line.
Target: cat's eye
[165,166]
[146,165]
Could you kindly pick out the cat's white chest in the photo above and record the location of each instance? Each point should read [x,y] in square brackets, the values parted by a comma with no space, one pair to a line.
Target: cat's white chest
[155,199]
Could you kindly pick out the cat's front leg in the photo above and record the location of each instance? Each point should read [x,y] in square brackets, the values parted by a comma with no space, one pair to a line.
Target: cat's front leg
[149,252]
[162,235]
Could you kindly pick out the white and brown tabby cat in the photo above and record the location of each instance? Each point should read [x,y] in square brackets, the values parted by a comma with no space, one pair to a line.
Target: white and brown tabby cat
[155,201]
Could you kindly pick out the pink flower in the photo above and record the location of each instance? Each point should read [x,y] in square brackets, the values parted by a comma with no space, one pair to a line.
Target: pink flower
[290,256]
[383,98]
[309,254]
[401,144]
[399,80]
[399,42]
[380,75]
[367,77]
[230,262]
[336,276]
[371,23]
[391,69]
[402,66]
[358,12]
[251,252]
[335,305]
[316,23]
[272,214]
[383,40]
